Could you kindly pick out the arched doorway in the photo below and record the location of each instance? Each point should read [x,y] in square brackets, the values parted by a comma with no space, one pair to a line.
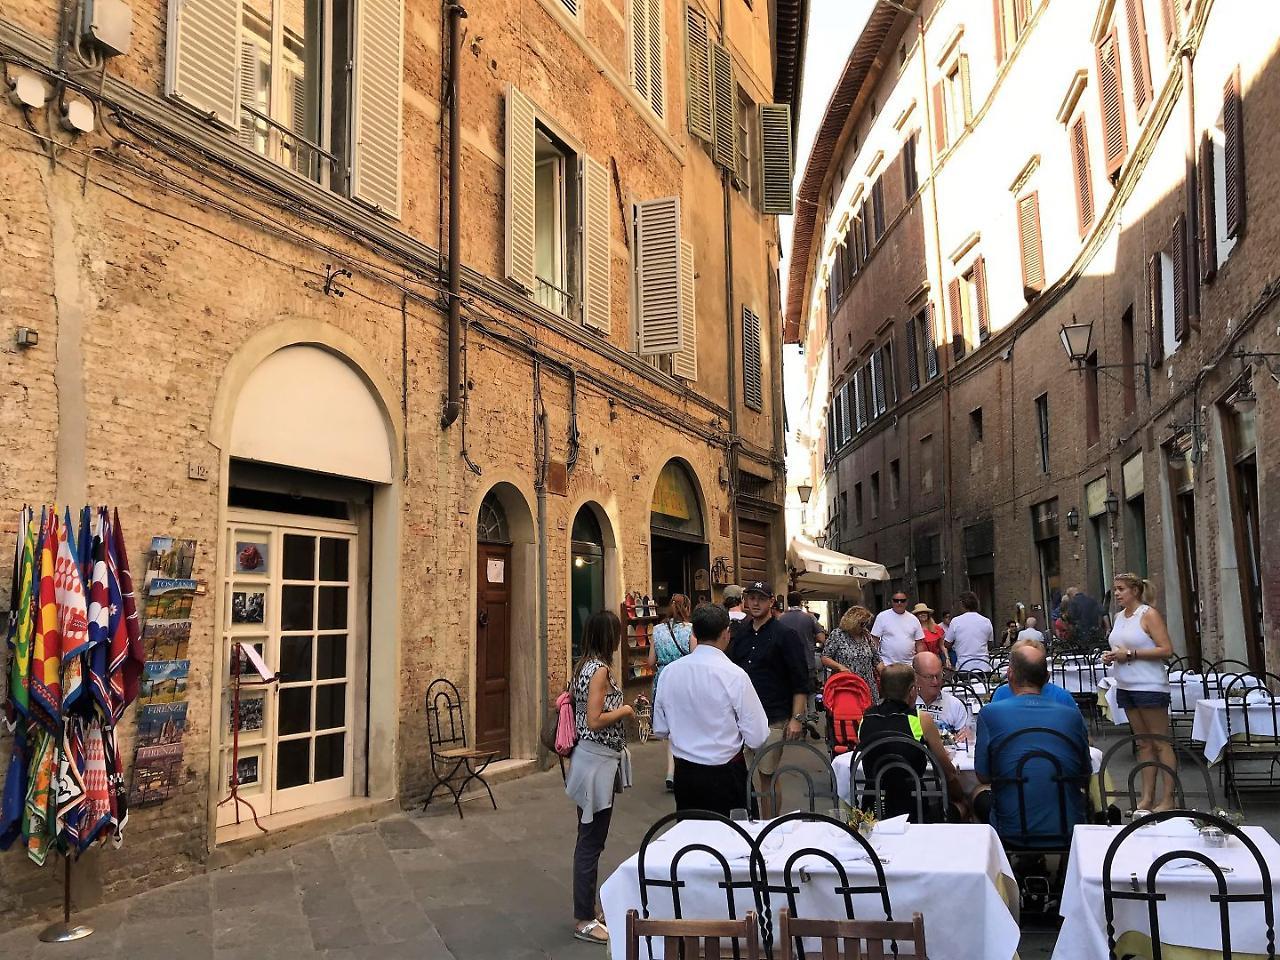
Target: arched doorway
[586,576]
[680,555]
[493,627]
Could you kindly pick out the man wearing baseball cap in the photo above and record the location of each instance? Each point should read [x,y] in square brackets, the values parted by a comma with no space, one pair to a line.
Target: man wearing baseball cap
[773,656]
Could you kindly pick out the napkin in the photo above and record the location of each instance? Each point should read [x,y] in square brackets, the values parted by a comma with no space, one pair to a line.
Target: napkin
[1258,695]
[1172,828]
[893,826]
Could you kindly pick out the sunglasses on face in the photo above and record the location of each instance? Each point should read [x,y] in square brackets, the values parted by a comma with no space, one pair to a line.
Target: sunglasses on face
[899,599]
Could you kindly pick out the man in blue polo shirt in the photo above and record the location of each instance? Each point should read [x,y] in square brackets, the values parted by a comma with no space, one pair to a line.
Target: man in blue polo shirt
[1051,690]
[997,757]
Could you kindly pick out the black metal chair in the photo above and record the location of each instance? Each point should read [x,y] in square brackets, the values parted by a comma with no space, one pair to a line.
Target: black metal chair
[892,785]
[817,775]
[1251,758]
[1145,891]
[1186,688]
[787,880]
[974,670]
[1078,675]
[964,691]
[450,751]
[1192,783]
[1220,673]
[1031,763]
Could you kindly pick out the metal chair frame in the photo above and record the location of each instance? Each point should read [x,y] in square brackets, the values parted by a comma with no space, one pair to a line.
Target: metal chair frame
[813,788]
[447,736]
[1086,700]
[1181,710]
[1222,673]
[1022,842]
[1148,894]
[873,788]
[1186,759]
[860,938]
[1254,746]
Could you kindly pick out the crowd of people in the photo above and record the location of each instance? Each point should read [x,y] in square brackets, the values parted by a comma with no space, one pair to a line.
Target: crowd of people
[737,679]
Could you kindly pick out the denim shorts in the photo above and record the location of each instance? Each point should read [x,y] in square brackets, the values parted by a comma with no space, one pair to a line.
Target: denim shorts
[1140,699]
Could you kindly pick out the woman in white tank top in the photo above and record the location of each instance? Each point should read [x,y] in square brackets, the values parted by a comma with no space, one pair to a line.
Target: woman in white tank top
[1140,650]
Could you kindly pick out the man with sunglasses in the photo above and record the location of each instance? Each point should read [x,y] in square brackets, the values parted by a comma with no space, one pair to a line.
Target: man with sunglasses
[897,632]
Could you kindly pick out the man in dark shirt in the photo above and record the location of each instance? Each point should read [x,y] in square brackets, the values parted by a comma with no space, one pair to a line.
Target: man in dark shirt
[811,634]
[774,657]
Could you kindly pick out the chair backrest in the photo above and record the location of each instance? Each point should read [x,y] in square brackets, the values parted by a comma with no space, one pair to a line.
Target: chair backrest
[700,939]
[963,690]
[852,939]
[1186,688]
[1078,674]
[898,776]
[1256,723]
[1145,890]
[446,723]
[974,669]
[787,878]
[1192,784]
[1220,673]
[1034,763]
[815,773]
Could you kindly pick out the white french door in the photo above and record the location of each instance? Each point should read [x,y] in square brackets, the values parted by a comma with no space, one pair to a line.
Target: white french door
[289,592]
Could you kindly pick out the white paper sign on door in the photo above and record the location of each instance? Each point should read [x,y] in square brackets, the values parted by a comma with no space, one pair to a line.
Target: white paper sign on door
[497,571]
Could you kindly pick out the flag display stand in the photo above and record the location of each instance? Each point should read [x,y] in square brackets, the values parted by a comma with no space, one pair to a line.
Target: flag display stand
[64,931]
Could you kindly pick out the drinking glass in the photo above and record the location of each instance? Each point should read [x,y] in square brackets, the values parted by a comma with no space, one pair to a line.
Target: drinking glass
[738,814]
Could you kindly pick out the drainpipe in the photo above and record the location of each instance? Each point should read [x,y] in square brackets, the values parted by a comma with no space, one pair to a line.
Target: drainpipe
[732,371]
[1193,188]
[453,396]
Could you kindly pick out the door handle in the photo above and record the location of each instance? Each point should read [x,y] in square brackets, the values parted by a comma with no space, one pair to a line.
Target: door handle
[482,618]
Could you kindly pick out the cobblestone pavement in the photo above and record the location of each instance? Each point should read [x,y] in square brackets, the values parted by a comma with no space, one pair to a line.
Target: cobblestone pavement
[495,886]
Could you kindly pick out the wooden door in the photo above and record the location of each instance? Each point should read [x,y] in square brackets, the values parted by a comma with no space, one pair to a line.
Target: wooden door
[493,648]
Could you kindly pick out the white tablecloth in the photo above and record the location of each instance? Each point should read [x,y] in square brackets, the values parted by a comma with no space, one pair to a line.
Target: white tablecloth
[1210,724]
[1077,676]
[943,871]
[1185,691]
[1187,918]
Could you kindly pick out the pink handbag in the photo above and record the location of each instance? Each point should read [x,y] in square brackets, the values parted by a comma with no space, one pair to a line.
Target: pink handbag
[566,728]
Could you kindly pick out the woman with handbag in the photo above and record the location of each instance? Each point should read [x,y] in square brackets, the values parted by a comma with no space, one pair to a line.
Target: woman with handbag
[597,766]
[671,641]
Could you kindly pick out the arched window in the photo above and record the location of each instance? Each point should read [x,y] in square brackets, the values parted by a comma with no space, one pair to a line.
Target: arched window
[491,526]
[675,510]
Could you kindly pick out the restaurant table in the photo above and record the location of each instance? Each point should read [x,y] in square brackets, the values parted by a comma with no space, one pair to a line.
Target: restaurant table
[1185,691]
[1076,675]
[943,871]
[1189,922]
[1210,723]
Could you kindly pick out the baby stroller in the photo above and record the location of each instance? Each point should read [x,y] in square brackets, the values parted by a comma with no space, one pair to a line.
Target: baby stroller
[846,697]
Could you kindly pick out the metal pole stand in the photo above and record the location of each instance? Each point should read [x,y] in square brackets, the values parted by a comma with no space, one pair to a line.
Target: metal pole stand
[64,931]
[233,796]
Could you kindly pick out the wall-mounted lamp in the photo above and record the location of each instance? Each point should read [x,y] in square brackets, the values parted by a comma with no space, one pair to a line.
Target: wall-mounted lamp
[1073,520]
[820,539]
[1077,340]
[1244,400]
[805,491]
[1112,503]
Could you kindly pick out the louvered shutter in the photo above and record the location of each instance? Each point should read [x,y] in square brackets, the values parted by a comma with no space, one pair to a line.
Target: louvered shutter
[658,276]
[520,161]
[860,397]
[931,343]
[1233,148]
[597,257]
[379,67]
[965,95]
[202,58]
[939,119]
[1083,175]
[685,362]
[698,61]
[1111,98]
[957,319]
[998,18]
[980,295]
[1169,20]
[640,47]
[846,419]
[832,440]
[890,375]
[775,158]
[1208,212]
[1029,240]
[1180,304]
[877,208]
[724,96]
[1155,309]
[657,82]
[571,6]
[301,158]
[752,386]
[1139,61]
[877,384]
[248,92]
[867,229]
[913,359]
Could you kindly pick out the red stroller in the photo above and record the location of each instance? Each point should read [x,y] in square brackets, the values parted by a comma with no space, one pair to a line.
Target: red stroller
[846,697]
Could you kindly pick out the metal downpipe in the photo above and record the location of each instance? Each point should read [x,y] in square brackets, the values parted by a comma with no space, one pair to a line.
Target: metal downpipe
[453,396]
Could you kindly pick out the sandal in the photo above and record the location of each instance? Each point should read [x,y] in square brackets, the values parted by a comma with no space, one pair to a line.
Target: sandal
[588,932]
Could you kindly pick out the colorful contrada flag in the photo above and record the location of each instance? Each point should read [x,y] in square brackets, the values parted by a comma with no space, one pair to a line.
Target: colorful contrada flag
[46,644]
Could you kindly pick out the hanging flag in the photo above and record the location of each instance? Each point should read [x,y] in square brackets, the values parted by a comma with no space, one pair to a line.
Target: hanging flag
[38,819]
[46,644]
[99,656]
[125,627]
[22,621]
[13,799]
[118,790]
[73,620]
[70,801]
[97,810]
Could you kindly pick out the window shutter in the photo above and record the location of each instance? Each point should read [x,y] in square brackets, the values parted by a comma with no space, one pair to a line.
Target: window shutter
[752,387]
[1169,19]
[1233,144]
[1112,103]
[957,319]
[300,158]
[640,48]
[1179,245]
[248,91]
[698,59]
[724,96]
[865,222]
[1208,212]
[520,148]
[685,362]
[658,276]
[1030,241]
[939,119]
[877,208]
[965,94]
[831,430]
[998,16]
[913,359]
[375,162]
[657,82]
[597,256]
[931,343]
[846,419]
[202,58]
[1140,62]
[860,396]
[980,295]
[1083,175]
[775,158]
[910,174]
[1155,309]
[890,375]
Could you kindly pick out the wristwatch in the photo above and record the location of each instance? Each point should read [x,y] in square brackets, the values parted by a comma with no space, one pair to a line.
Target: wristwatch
[798,718]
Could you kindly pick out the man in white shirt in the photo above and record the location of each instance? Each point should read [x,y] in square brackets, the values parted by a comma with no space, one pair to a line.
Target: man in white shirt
[897,632]
[733,602]
[948,712]
[1030,632]
[970,635]
[708,708]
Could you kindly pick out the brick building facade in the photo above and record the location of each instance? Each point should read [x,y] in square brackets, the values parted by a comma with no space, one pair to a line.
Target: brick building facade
[204,365]
[984,177]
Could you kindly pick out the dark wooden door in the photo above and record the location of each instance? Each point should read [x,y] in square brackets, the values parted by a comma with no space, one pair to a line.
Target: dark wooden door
[493,648]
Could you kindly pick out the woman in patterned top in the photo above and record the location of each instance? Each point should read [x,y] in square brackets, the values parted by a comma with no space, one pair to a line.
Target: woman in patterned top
[850,648]
[671,641]
[596,761]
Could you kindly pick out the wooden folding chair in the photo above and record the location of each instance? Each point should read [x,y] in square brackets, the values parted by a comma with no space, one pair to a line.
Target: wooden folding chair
[853,939]
[699,939]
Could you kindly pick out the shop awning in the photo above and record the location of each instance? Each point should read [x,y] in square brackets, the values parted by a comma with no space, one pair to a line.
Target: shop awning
[822,574]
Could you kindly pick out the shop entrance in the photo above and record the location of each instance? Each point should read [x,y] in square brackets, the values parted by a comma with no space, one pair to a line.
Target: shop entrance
[680,555]
[586,584]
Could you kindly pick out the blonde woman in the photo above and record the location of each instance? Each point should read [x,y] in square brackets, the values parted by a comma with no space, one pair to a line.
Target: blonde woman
[1140,651]
[671,640]
[850,647]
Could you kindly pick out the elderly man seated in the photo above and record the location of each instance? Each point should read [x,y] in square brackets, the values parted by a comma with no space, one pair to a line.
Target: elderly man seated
[1045,784]
[1051,689]
[947,710]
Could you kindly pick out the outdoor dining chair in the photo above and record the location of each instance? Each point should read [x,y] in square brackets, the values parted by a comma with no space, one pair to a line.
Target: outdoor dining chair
[1192,783]
[451,755]
[1252,753]
[1220,673]
[800,761]
[1035,763]
[883,779]
[698,939]
[852,939]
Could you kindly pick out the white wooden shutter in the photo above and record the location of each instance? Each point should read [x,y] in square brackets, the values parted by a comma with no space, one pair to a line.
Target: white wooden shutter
[379,68]
[571,6]
[685,362]
[597,305]
[724,101]
[248,92]
[657,82]
[698,60]
[640,47]
[752,385]
[658,276]
[775,158]
[520,147]
[846,424]
[201,64]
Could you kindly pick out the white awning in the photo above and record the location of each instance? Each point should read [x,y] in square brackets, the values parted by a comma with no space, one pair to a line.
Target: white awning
[822,574]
